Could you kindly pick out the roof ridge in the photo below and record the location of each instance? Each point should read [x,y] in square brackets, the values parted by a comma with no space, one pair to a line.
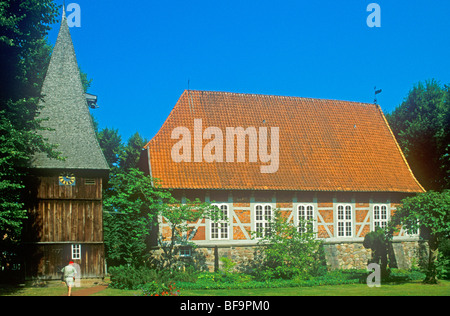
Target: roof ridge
[278,96]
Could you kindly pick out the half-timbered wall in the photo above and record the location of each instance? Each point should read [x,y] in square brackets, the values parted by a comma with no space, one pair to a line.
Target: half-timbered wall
[338,217]
[341,250]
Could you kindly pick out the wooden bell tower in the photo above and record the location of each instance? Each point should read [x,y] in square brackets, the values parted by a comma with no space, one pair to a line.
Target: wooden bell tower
[65,195]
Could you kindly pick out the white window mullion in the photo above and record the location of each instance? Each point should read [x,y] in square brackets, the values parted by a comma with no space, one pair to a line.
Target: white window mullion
[305,214]
[344,220]
[219,229]
[380,216]
[76,251]
[263,218]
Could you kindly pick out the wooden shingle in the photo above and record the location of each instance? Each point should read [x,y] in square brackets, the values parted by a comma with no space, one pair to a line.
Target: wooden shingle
[66,113]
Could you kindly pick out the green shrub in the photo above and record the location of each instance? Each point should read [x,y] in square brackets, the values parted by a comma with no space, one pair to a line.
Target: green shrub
[228,265]
[288,250]
[159,289]
[154,282]
[242,281]
[133,278]
[399,276]
[443,260]
[378,242]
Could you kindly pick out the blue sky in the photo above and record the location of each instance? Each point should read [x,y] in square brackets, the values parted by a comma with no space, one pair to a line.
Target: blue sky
[141,54]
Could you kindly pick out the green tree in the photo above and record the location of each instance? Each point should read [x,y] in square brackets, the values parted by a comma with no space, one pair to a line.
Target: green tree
[178,215]
[445,157]
[288,250]
[132,208]
[111,143]
[129,200]
[24,58]
[24,50]
[85,81]
[132,151]
[421,125]
[129,214]
[428,213]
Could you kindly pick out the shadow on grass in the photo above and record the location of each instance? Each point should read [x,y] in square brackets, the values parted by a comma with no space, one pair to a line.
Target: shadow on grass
[396,276]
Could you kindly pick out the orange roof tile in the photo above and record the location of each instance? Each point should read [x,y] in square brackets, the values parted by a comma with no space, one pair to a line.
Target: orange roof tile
[324,145]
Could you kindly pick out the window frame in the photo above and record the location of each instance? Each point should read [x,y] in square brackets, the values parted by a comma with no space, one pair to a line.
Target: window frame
[347,223]
[75,251]
[185,252]
[379,218]
[305,216]
[262,222]
[221,231]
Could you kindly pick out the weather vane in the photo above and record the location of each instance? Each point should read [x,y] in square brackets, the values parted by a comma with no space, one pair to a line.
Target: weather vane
[376,92]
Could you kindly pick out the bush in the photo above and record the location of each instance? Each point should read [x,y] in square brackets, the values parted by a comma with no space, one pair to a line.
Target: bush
[400,276]
[243,281]
[134,278]
[289,251]
[159,289]
[210,278]
[214,281]
[131,278]
[378,242]
[214,284]
[443,260]
[167,283]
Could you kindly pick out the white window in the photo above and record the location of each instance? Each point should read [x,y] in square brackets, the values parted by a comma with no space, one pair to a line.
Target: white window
[305,216]
[185,252]
[263,217]
[345,224]
[76,251]
[380,216]
[219,228]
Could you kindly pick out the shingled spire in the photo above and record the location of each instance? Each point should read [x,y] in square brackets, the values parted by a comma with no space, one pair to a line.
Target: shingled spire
[65,107]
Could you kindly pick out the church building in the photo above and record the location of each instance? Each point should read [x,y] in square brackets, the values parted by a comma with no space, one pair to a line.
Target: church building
[334,162]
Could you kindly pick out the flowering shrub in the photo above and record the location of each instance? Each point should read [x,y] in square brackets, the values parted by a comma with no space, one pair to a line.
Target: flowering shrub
[159,289]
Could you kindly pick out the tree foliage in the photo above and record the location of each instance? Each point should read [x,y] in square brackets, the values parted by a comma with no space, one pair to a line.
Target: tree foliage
[130,210]
[429,214]
[289,251]
[130,202]
[421,125]
[133,203]
[111,143]
[132,151]
[378,241]
[24,57]
[179,214]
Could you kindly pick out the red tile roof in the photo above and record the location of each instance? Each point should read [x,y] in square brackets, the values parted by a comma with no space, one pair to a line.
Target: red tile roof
[324,145]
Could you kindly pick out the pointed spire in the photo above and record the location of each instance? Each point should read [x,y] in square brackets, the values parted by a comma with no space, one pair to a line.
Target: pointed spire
[65,107]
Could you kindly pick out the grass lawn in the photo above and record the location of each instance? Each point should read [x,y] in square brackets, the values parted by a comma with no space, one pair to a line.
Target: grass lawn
[34,291]
[405,289]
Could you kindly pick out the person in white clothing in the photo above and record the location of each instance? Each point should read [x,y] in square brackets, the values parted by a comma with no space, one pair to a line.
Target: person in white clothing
[69,272]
